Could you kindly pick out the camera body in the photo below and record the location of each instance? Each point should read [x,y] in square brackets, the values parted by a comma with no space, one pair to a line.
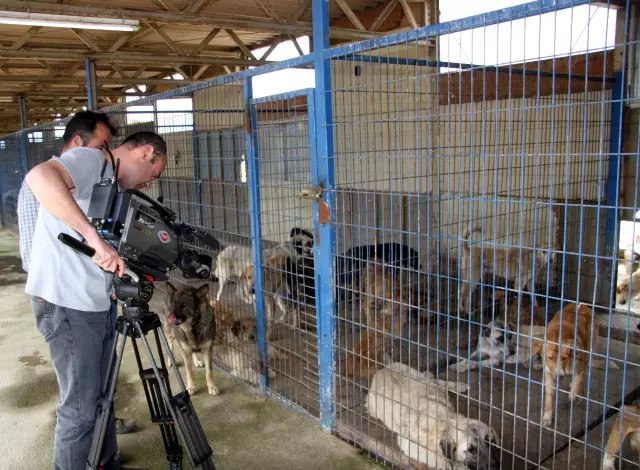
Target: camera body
[145,232]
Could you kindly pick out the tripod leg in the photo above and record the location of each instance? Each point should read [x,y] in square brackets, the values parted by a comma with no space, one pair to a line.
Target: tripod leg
[104,408]
[182,412]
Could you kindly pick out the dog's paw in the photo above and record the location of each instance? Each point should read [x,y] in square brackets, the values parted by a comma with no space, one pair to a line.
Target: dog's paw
[537,365]
[192,389]
[547,420]
[199,363]
[608,462]
[213,390]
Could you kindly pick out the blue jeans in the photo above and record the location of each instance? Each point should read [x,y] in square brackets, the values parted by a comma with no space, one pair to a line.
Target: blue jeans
[79,344]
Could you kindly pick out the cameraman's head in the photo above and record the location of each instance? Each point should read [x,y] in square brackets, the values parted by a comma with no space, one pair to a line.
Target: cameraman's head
[143,157]
[88,129]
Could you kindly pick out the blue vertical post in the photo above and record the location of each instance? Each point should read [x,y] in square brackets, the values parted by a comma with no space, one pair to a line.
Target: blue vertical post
[251,126]
[612,187]
[196,168]
[92,91]
[24,144]
[322,160]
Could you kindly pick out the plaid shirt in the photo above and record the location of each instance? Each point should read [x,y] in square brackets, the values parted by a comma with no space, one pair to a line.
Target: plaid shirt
[27,209]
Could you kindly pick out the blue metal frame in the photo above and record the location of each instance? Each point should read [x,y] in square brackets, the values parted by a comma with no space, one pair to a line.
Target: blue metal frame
[322,164]
[253,176]
[612,187]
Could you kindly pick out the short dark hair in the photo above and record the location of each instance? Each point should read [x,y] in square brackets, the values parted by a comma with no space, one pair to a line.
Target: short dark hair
[147,138]
[84,124]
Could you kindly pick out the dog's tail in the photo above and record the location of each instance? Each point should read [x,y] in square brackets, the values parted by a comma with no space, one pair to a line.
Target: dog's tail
[467,234]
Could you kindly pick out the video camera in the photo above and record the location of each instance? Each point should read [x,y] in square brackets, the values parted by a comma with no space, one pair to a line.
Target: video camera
[146,235]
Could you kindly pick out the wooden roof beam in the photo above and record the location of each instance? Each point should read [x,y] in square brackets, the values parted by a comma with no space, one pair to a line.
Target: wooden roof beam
[238,22]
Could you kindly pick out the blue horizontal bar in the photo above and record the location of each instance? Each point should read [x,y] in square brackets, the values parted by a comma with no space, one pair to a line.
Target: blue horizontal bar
[485,19]
[237,77]
[283,96]
[461,65]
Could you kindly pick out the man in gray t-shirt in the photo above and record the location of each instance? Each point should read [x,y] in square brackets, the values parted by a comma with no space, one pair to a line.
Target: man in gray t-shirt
[70,292]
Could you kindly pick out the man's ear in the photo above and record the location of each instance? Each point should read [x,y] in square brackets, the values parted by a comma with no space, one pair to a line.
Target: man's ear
[147,153]
[76,142]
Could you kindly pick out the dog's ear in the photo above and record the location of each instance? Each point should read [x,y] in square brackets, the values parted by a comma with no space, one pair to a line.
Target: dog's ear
[448,449]
[202,292]
[171,290]
[486,331]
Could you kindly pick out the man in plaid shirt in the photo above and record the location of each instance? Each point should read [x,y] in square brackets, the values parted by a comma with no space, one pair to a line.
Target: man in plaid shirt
[86,129]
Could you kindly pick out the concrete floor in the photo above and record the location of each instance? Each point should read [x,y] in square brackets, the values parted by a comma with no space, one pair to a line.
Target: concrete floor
[246,431]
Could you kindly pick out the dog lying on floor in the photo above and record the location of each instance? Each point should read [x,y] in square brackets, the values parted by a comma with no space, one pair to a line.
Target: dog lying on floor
[428,428]
[236,345]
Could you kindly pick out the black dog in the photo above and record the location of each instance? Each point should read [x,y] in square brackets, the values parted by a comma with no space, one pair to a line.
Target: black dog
[350,264]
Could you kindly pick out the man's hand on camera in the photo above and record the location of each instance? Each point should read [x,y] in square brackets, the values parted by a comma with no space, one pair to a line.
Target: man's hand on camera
[105,255]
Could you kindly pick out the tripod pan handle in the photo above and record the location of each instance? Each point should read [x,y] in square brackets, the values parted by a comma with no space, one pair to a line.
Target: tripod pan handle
[77,245]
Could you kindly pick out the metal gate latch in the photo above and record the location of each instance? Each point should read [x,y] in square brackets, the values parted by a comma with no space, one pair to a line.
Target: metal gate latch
[314,193]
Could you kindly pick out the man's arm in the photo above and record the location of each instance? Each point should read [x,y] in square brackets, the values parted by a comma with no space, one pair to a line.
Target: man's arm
[51,184]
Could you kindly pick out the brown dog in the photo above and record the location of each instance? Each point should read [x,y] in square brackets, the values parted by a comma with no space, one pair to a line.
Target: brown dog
[558,353]
[387,309]
[630,425]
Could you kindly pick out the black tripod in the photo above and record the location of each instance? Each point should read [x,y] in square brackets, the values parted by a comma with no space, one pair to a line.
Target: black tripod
[175,415]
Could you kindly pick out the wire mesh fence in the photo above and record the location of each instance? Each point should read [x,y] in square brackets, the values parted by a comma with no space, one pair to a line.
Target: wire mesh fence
[436,257]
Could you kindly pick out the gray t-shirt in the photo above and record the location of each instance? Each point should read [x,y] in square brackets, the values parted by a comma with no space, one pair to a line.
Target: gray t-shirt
[57,273]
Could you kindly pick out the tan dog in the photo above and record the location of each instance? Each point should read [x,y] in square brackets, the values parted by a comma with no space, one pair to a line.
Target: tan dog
[578,339]
[277,288]
[628,287]
[630,426]
[509,263]
[236,345]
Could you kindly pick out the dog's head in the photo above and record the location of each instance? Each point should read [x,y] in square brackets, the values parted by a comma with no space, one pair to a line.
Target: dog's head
[471,445]
[244,330]
[622,291]
[497,335]
[247,281]
[185,302]
[302,241]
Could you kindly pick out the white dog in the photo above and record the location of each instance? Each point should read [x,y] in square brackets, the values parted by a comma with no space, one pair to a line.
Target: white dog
[508,263]
[498,344]
[427,426]
[230,264]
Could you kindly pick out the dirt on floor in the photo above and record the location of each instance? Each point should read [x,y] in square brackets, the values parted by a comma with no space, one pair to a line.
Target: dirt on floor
[245,430]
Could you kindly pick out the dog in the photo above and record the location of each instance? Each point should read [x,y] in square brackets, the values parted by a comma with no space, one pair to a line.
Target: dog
[508,263]
[229,266]
[428,428]
[279,285]
[236,345]
[629,424]
[578,339]
[386,303]
[302,240]
[189,319]
[498,344]
[352,262]
[628,287]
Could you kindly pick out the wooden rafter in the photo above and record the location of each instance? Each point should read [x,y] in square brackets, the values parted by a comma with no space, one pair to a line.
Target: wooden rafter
[166,5]
[88,41]
[346,9]
[240,44]
[264,4]
[196,6]
[205,42]
[169,42]
[384,14]
[409,14]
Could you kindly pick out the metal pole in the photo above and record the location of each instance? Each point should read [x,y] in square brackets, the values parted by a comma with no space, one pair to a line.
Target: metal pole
[251,127]
[92,90]
[24,165]
[323,207]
